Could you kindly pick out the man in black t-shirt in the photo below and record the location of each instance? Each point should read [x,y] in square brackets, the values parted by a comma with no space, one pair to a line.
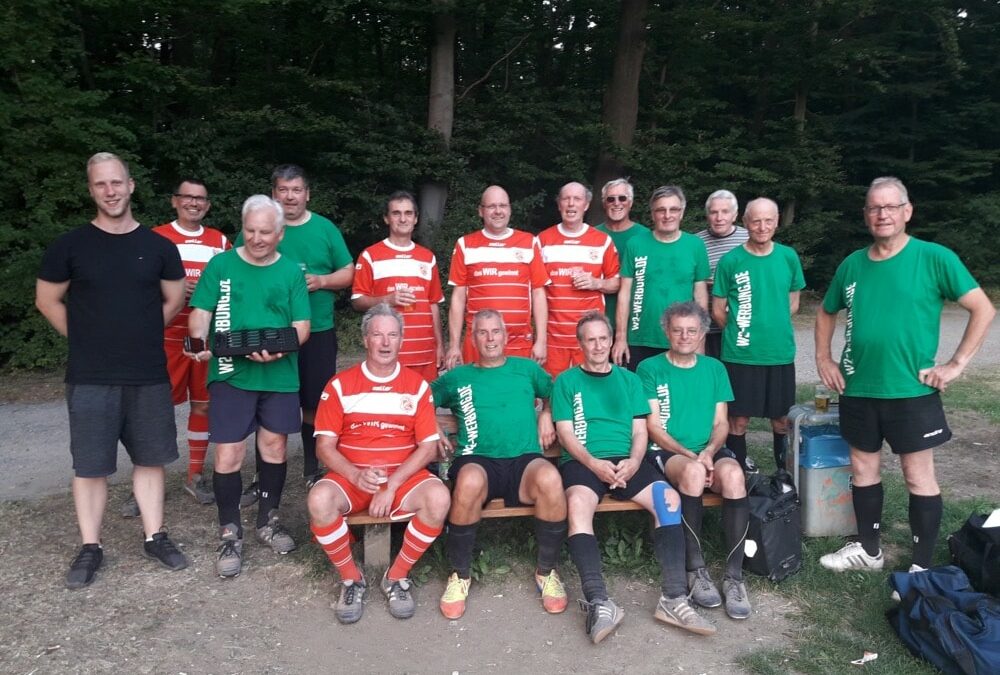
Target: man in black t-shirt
[110,287]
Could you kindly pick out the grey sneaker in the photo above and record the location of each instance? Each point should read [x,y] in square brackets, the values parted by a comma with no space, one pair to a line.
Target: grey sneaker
[603,616]
[130,509]
[737,601]
[200,489]
[250,494]
[230,560]
[677,612]
[275,535]
[401,602]
[351,604]
[703,590]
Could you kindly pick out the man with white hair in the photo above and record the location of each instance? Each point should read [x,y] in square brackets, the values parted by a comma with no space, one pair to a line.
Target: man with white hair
[721,236]
[617,197]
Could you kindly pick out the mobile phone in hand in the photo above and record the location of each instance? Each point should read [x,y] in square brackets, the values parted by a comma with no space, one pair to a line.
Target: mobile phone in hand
[193,344]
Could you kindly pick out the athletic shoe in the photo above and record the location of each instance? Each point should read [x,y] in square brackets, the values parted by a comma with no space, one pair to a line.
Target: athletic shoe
[250,494]
[130,509]
[455,593]
[162,549]
[553,592]
[84,567]
[703,590]
[852,557]
[750,466]
[677,612]
[351,604]
[913,568]
[737,601]
[230,551]
[275,535]
[314,478]
[401,602]
[603,616]
[199,488]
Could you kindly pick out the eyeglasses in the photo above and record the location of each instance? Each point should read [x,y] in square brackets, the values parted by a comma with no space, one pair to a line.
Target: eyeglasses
[611,199]
[197,199]
[663,210]
[890,209]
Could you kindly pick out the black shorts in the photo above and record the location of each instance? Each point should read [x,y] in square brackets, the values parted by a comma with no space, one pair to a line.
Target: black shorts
[575,473]
[638,353]
[761,391]
[713,344]
[659,457]
[317,364]
[503,476]
[100,415]
[907,424]
[236,413]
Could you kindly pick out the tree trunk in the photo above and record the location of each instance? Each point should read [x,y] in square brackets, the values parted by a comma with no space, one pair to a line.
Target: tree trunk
[440,117]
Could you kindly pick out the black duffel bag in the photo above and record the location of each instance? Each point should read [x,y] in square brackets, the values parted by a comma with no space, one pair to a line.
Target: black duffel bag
[976,549]
[775,526]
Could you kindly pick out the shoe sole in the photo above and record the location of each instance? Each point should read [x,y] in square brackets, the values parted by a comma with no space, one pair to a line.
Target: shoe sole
[348,620]
[402,615]
[609,630]
[706,606]
[225,575]
[738,618]
[660,615]
[201,499]
[169,567]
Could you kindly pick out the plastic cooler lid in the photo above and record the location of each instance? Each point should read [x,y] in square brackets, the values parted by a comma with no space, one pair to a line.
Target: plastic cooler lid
[823,451]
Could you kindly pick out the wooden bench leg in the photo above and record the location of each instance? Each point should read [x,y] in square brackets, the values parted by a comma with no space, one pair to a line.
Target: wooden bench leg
[377,542]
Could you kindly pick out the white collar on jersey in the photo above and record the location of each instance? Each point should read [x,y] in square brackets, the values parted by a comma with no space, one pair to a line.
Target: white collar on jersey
[376,378]
[187,233]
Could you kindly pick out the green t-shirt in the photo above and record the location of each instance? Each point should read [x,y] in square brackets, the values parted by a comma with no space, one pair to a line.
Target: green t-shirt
[894,316]
[601,408]
[661,274]
[495,407]
[319,245]
[686,397]
[241,295]
[620,239]
[759,329]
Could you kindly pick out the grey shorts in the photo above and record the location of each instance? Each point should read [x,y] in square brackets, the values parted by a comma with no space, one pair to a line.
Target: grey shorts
[101,415]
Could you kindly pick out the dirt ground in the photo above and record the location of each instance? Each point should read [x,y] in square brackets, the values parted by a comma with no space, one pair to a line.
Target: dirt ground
[277,616]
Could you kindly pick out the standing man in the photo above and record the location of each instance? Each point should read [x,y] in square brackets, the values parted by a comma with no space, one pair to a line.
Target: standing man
[251,287]
[888,380]
[500,445]
[110,287]
[404,275]
[600,413]
[658,269]
[197,245]
[499,268]
[583,266]
[721,236]
[377,431]
[617,197]
[756,293]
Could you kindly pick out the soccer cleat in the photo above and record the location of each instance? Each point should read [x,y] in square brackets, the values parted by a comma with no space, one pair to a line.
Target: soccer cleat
[401,602]
[84,567]
[913,568]
[130,509]
[275,535]
[703,590]
[455,593]
[737,601]
[250,494]
[852,557]
[603,616]
[198,487]
[553,592]
[677,612]
[351,604]
[230,560]
[163,550]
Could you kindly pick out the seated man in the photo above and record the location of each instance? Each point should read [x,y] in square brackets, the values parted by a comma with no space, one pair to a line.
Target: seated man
[499,455]
[687,428]
[600,414]
[376,431]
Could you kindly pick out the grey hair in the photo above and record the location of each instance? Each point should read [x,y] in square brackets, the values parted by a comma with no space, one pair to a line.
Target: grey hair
[591,317]
[894,182]
[265,203]
[99,157]
[288,172]
[723,194]
[488,313]
[381,309]
[686,309]
[587,191]
[668,191]
[615,183]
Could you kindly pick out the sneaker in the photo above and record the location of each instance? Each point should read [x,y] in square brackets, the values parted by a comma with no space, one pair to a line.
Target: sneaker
[750,466]
[84,567]
[913,568]
[250,494]
[314,478]
[603,616]
[455,593]
[162,549]
[130,509]
[852,557]
[677,612]
[737,601]
[275,535]
[401,602]
[703,590]
[351,604]
[199,488]
[230,551]
[553,592]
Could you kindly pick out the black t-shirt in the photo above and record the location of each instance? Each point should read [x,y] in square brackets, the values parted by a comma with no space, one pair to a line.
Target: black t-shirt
[114,303]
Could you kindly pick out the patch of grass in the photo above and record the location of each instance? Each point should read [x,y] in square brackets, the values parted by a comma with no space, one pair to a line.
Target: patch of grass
[978,392]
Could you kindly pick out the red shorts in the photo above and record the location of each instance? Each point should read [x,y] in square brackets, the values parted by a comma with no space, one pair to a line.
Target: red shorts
[428,371]
[188,378]
[559,359]
[358,501]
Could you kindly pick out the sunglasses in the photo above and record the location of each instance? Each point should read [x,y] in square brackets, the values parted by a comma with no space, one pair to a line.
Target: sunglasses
[611,199]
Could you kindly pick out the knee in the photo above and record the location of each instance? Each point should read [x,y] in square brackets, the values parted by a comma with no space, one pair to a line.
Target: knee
[731,479]
[199,408]
[229,457]
[692,479]
[437,503]
[470,484]
[738,425]
[549,487]
[322,503]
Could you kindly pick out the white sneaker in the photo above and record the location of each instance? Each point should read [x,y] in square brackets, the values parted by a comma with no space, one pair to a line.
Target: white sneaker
[852,557]
[913,568]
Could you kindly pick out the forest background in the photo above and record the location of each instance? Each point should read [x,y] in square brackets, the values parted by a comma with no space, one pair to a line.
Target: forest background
[804,101]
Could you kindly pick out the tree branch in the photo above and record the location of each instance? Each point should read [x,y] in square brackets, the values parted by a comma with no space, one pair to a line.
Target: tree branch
[491,68]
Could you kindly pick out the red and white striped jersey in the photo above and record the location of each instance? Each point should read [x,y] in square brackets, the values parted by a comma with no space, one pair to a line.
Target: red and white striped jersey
[196,249]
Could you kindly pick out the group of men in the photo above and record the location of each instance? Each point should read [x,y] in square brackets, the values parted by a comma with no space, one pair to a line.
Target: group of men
[624,388]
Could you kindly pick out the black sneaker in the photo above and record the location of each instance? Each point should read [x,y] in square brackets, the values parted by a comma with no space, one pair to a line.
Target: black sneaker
[250,495]
[130,509]
[83,569]
[162,549]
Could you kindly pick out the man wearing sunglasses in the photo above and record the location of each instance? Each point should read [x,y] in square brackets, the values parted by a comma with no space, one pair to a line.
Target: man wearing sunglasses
[617,197]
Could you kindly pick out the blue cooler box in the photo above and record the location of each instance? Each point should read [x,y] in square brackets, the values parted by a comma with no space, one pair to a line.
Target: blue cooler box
[820,463]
